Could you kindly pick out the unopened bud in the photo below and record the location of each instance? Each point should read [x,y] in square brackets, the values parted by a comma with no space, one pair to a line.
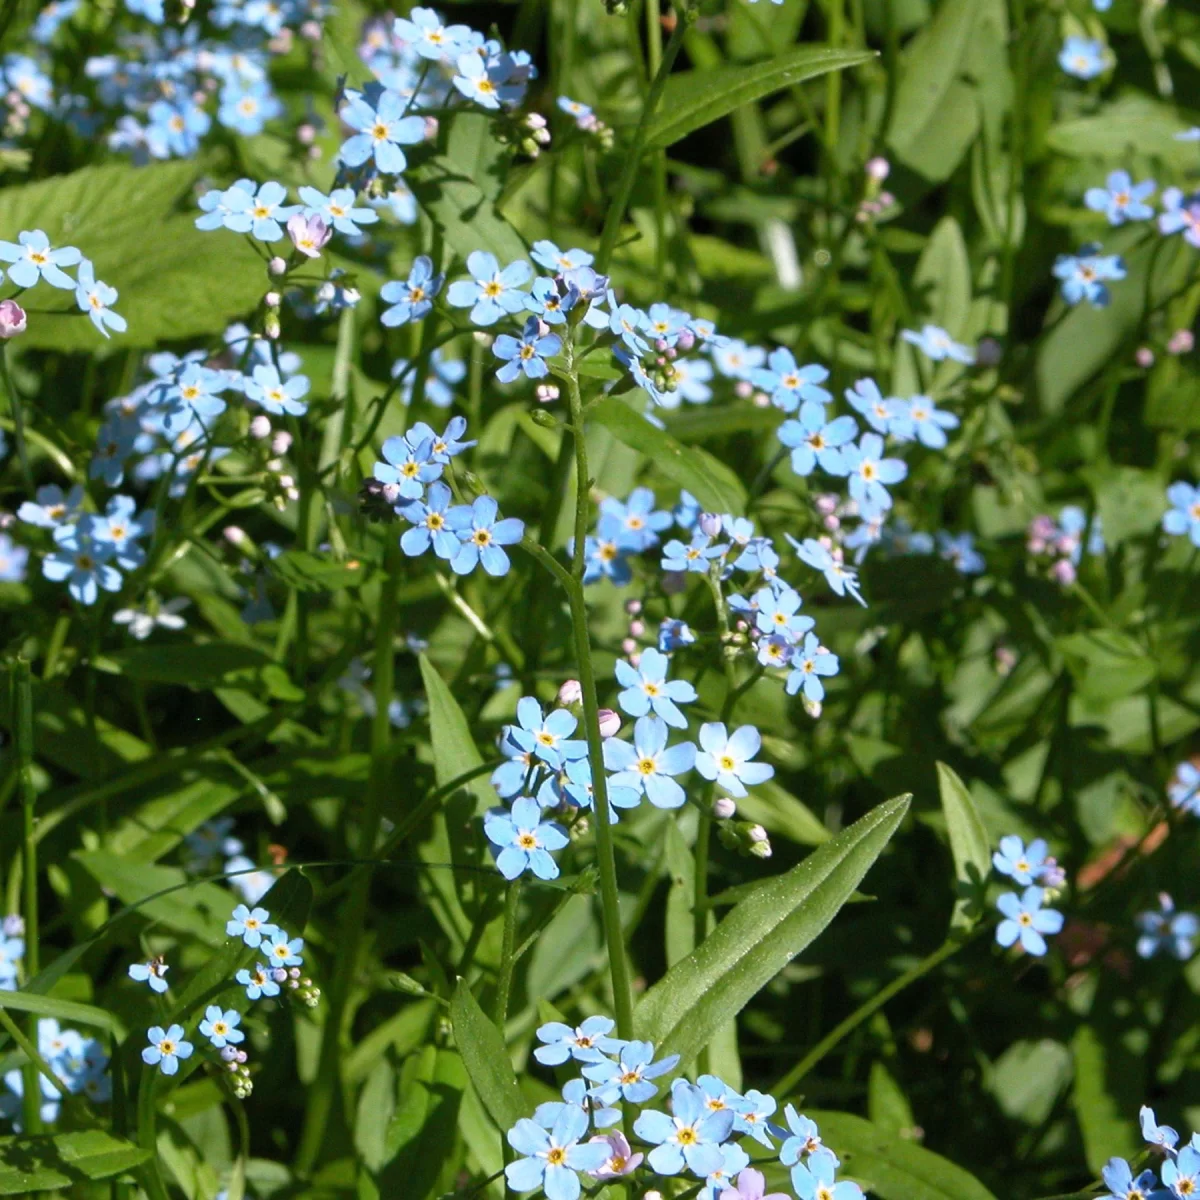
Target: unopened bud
[12,319]
[637,628]
[541,417]
[570,693]
[272,300]
[277,266]
[546,393]
[1144,357]
[760,849]
[271,325]
[431,128]
[610,723]
[260,427]
[281,443]
[633,607]
[724,808]
[235,535]
[1063,572]
[710,524]
[229,1053]
[878,169]
[629,646]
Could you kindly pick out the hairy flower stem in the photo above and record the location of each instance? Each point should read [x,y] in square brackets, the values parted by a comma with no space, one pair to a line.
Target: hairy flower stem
[22,709]
[327,1082]
[18,419]
[605,857]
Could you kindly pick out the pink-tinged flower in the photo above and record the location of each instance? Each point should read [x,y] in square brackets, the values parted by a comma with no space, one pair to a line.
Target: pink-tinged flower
[571,692]
[12,319]
[1182,341]
[308,234]
[622,1160]
[878,169]
[1144,357]
[750,1185]
[610,723]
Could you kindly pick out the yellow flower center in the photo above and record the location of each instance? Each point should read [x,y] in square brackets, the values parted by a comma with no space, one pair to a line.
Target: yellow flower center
[435,521]
[1025,919]
[416,294]
[492,289]
[379,131]
[38,256]
[687,1136]
[166,1046]
[726,763]
[868,470]
[556,1156]
[651,689]
[409,470]
[220,1028]
[481,537]
[526,841]
[647,766]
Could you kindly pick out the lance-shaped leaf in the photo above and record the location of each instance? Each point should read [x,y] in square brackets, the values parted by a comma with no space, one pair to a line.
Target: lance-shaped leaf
[970,846]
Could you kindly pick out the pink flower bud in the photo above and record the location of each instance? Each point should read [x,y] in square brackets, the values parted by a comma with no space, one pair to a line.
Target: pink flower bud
[306,134]
[235,535]
[1144,357]
[281,443]
[710,524]
[629,647]
[610,723]
[637,628]
[277,266]
[756,833]
[571,692]
[12,319]
[311,31]
[1181,342]
[260,427]
[272,300]
[687,339]
[308,234]
[431,128]
[633,607]
[546,393]
[878,169]
[743,389]
[391,493]
[724,808]
[1063,572]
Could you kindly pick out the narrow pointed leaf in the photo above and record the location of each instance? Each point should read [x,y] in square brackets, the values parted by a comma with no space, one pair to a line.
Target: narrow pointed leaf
[760,936]
[970,845]
[485,1056]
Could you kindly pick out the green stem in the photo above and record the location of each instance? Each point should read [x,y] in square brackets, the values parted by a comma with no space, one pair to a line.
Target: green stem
[605,856]
[512,905]
[324,1087]
[872,1006]
[18,418]
[151,1175]
[629,173]
[23,735]
[36,1061]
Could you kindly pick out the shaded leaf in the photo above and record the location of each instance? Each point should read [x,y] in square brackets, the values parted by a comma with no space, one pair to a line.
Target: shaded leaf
[970,845]
[485,1056]
[42,1164]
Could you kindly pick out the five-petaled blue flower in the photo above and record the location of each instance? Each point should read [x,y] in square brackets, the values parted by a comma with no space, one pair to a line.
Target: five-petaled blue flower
[837,574]
[490,293]
[554,1156]
[1026,920]
[482,537]
[1085,58]
[647,766]
[641,522]
[804,1138]
[695,556]
[1182,1173]
[788,383]
[725,757]
[927,422]
[647,688]
[809,662]
[937,344]
[549,735]
[429,524]
[166,1048]
[337,209]
[284,951]
[251,925]
[1183,517]
[692,1135]
[277,395]
[1121,199]
[257,982]
[411,298]
[816,1179]
[1118,1178]
[152,972]
[633,1070]
[1021,863]
[33,259]
[1084,274]
[82,560]
[1167,929]
[95,297]
[588,1043]
[814,440]
[524,839]
[377,114]
[410,465]
[221,1028]
[526,354]
[870,472]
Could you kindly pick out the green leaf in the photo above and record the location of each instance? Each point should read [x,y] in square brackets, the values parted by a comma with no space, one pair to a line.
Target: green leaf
[887,1105]
[707,421]
[943,277]
[461,209]
[201,665]
[712,483]
[106,212]
[485,1056]
[1106,664]
[778,811]
[970,845]
[894,1168]
[314,572]
[62,1010]
[1099,1072]
[200,909]
[1130,502]
[42,1164]
[454,749]
[760,936]
[693,99]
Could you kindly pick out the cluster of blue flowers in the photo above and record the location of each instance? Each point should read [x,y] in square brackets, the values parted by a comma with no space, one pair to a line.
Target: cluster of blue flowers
[79,1063]
[700,1137]
[1026,921]
[212,846]
[1179,1173]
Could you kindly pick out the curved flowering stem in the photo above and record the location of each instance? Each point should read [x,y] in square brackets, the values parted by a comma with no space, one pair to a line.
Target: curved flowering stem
[620,201]
[606,858]
[512,906]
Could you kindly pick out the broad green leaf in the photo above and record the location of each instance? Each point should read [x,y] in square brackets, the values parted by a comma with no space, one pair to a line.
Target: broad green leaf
[315,572]
[1028,1078]
[107,211]
[1099,1074]
[1131,502]
[887,1104]
[693,99]
[419,1146]
[200,909]
[943,277]
[1132,119]
[712,483]
[62,1010]
[894,1168]
[460,208]
[710,421]
[200,665]
[43,1164]
[485,1056]
[760,936]
[970,845]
